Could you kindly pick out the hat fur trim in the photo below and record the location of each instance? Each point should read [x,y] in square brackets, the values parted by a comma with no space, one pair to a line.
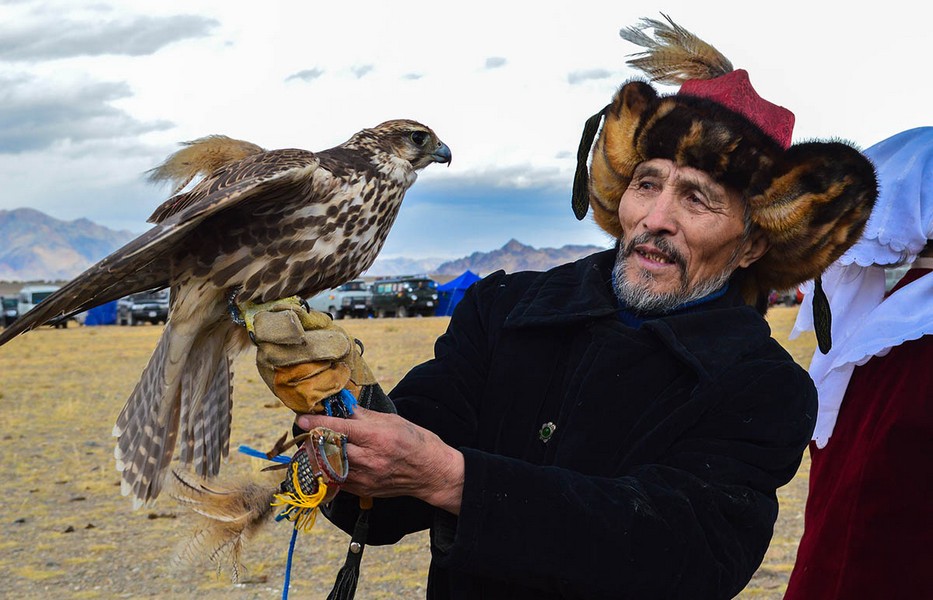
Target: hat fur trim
[812,200]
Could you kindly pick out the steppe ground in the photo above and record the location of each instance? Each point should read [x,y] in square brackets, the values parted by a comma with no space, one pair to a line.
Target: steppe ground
[67,532]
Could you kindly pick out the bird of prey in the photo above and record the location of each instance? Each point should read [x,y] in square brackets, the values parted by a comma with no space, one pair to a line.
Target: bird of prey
[260,225]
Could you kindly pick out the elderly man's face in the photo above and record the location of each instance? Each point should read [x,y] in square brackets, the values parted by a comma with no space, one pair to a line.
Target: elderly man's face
[682,237]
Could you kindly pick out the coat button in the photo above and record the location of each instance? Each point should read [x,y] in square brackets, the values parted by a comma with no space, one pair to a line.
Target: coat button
[547,430]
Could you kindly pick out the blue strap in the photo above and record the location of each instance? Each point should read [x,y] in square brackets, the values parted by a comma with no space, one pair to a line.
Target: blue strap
[259,454]
[348,401]
[288,563]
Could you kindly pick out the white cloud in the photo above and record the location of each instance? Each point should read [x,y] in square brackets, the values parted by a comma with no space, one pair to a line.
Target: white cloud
[306,75]
[494,62]
[54,37]
[35,114]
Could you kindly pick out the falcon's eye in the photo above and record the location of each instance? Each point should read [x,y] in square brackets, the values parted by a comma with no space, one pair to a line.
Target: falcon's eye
[419,137]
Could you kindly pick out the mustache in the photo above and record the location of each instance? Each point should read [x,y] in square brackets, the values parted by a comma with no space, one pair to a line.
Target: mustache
[659,242]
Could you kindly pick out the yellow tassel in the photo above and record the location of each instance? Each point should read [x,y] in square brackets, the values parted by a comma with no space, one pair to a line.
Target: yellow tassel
[301,508]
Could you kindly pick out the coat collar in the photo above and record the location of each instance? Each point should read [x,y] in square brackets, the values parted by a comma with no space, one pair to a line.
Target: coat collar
[581,291]
[567,294]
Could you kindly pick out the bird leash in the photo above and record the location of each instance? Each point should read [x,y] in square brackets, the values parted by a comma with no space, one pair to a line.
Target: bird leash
[320,466]
[314,474]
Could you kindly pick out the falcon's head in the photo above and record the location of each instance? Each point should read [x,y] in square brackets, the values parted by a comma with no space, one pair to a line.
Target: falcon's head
[408,140]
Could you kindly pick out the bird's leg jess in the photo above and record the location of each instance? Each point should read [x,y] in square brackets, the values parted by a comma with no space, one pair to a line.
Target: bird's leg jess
[244,313]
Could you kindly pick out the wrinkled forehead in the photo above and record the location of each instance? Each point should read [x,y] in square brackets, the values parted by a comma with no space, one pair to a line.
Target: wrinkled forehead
[688,178]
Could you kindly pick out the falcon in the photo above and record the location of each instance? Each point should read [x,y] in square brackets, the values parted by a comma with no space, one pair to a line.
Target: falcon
[259,226]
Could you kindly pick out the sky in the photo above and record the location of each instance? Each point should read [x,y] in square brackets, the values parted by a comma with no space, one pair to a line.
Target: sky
[93,94]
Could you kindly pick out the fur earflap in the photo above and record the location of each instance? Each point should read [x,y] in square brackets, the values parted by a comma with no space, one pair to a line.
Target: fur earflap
[615,154]
[812,206]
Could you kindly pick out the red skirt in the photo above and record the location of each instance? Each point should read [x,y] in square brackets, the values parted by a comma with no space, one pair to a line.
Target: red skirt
[869,517]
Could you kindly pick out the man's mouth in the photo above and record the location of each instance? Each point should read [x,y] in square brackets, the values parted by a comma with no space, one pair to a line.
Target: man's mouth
[653,255]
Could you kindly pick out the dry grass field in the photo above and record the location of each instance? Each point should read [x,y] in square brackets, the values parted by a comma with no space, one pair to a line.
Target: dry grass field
[67,532]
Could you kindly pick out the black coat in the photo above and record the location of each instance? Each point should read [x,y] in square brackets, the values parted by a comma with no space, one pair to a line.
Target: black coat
[659,479]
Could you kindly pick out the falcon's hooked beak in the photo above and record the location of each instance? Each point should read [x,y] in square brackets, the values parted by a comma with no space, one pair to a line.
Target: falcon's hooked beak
[442,154]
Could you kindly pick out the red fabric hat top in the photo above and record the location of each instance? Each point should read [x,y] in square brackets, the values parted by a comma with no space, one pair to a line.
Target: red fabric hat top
[735,92]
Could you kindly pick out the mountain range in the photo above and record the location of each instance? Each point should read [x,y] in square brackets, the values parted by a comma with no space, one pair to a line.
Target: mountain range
[515,256]
[37,247]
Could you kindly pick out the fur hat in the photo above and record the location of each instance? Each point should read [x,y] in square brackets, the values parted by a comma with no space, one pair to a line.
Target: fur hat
[811,200]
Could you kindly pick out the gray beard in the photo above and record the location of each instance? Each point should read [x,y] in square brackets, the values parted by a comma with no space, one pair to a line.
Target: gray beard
[637,296]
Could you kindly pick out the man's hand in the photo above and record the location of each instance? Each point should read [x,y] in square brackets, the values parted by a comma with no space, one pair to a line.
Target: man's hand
[304,358]
[390,456]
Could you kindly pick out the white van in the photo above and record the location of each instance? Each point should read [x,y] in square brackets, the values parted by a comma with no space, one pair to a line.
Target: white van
[31,295]
[352,299]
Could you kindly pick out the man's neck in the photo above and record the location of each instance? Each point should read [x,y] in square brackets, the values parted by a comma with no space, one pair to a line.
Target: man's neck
[635,319]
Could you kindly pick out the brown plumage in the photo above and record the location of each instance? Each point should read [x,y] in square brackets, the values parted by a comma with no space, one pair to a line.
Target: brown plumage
[202,157]
[271,224]
[674,55]
[226,518]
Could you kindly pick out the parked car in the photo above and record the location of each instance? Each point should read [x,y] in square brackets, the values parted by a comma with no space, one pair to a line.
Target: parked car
[31,295]
[404,296]
[10,312]
[144,307]
[786,297]
[352,299]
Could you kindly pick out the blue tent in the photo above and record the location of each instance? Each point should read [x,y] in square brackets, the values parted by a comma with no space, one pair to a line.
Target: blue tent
[449,294]
[105,314]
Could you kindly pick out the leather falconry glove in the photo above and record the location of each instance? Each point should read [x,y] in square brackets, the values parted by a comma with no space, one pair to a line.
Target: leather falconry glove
[305,358]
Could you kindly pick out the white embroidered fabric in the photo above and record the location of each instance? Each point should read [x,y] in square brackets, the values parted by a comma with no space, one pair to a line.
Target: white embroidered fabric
[865,323]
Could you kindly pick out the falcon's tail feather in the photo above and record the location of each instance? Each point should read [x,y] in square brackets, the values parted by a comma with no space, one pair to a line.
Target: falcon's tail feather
[147,427]
[186,388]
[207,386]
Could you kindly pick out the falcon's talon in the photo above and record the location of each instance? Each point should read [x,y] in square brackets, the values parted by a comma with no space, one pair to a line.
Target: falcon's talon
[359,344]
[248,310]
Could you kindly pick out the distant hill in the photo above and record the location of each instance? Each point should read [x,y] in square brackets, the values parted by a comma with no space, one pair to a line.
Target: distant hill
[35,246]
[515,256]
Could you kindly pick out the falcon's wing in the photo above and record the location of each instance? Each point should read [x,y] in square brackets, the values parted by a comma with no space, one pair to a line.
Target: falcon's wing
[144,263]
[289,164]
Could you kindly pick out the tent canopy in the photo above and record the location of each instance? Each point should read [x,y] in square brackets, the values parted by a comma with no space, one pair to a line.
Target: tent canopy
[105,314]
[450,293]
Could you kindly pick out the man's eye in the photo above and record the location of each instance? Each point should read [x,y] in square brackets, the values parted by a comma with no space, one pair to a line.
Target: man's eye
[696,201]
[419,137]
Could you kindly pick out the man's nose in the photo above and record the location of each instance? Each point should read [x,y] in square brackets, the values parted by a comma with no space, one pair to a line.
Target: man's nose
[661,215]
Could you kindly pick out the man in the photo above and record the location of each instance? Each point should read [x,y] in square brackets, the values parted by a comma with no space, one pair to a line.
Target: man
[617,427]
[869,521]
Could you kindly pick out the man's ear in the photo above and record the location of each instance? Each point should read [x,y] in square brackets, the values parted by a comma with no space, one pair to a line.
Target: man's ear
[755,247]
